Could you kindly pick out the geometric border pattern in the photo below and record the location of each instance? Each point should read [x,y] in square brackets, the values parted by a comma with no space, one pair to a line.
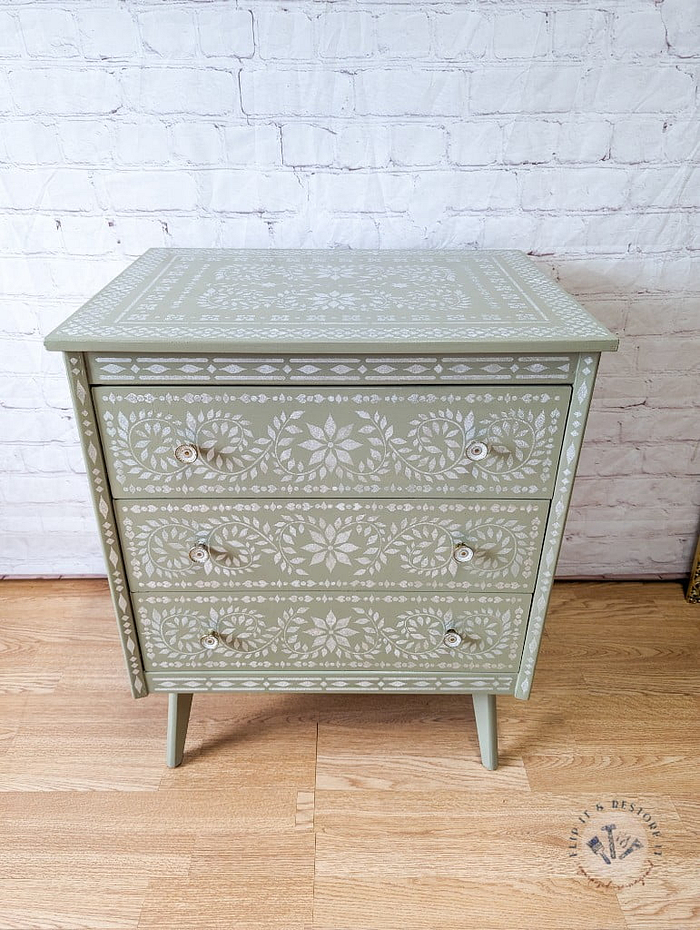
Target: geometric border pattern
[327,681]
[584,380]
[417,369]
[102,501]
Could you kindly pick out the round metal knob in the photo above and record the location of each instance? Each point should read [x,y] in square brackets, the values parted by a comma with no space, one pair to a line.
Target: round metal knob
[186,453]
[477,451]
[199,553]
[210,640]
[452,638]
[463,553]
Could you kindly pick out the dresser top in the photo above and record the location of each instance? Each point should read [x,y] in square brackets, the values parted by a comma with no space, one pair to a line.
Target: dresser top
[331,301]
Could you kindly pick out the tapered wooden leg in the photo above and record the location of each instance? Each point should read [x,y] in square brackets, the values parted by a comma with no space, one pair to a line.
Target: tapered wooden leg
[486,728]
[178,717]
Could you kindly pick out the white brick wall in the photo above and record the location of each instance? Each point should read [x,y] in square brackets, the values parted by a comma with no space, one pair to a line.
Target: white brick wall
[567,129]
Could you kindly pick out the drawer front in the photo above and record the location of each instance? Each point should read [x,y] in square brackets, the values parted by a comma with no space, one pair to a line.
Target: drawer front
[490,442]
[332,545]
[425,632]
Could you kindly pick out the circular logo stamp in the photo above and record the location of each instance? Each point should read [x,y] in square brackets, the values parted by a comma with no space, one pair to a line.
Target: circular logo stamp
[615,843]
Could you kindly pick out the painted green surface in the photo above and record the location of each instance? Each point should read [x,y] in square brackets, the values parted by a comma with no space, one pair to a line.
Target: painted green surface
[253,300]
[347,442]
[179,706]
[331,545]
[487,728]
[332,633]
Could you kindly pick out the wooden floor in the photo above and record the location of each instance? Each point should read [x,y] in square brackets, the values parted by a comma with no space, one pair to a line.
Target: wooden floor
[367,812]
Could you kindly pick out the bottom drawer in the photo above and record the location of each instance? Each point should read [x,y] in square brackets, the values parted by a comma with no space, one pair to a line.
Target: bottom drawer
[288,632]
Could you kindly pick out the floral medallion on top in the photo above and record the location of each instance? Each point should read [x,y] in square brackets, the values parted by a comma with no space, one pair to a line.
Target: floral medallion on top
[394,441]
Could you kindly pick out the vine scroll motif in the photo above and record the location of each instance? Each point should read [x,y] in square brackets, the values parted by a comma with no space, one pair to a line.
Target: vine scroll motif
[333,443]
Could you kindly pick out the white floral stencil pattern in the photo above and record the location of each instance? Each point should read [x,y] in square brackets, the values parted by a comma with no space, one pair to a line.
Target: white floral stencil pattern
[402,632]
[361,545]
[345,443]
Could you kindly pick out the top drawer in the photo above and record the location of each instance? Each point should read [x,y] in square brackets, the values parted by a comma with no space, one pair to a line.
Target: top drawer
[485,442]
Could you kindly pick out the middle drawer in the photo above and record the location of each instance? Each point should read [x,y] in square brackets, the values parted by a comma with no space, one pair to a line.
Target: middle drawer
[332,545]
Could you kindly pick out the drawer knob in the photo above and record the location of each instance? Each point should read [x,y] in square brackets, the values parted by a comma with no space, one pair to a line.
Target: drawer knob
[199,553]
[210,640]
[463,553]
[452,638]
[186,453]
[476,451]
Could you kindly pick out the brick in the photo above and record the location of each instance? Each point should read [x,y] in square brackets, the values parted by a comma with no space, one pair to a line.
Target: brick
[142,143]
[634,88]
[325,230]
[475,143]
[205,91]
[580,33]
[540,88]
[47,189]
[284,33]
[403,35]
[682,22]
[417,144]
[640,139]
[241,232]
[345,35]
[363,146]
[366,192]
[512,230]
[675,354]
[306,144]
[659,316]
[462,231]
[11,44]
[224,31]
[571,140]
[240,191]
[197,143]
[150,190]
[438,192]
[635,232]
[86,141]
[170,33]
[672,458]
[31,142]
[403,93]
[107,34]
[673,391]
[258,144]
[396,231]
[639,33]
[681,140]
[49,33]
[64,91]
[461,34]
[609,459]
[665,188]
[642,425]
[520,35]
[287,92]
[531,142]
[574,188]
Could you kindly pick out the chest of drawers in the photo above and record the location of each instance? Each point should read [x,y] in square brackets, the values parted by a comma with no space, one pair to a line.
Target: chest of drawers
[331,470]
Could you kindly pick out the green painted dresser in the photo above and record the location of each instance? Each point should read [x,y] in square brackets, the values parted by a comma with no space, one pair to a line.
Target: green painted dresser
[331,470]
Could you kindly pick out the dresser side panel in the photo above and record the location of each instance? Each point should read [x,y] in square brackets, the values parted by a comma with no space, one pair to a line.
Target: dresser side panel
[582,390]
[104,512]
